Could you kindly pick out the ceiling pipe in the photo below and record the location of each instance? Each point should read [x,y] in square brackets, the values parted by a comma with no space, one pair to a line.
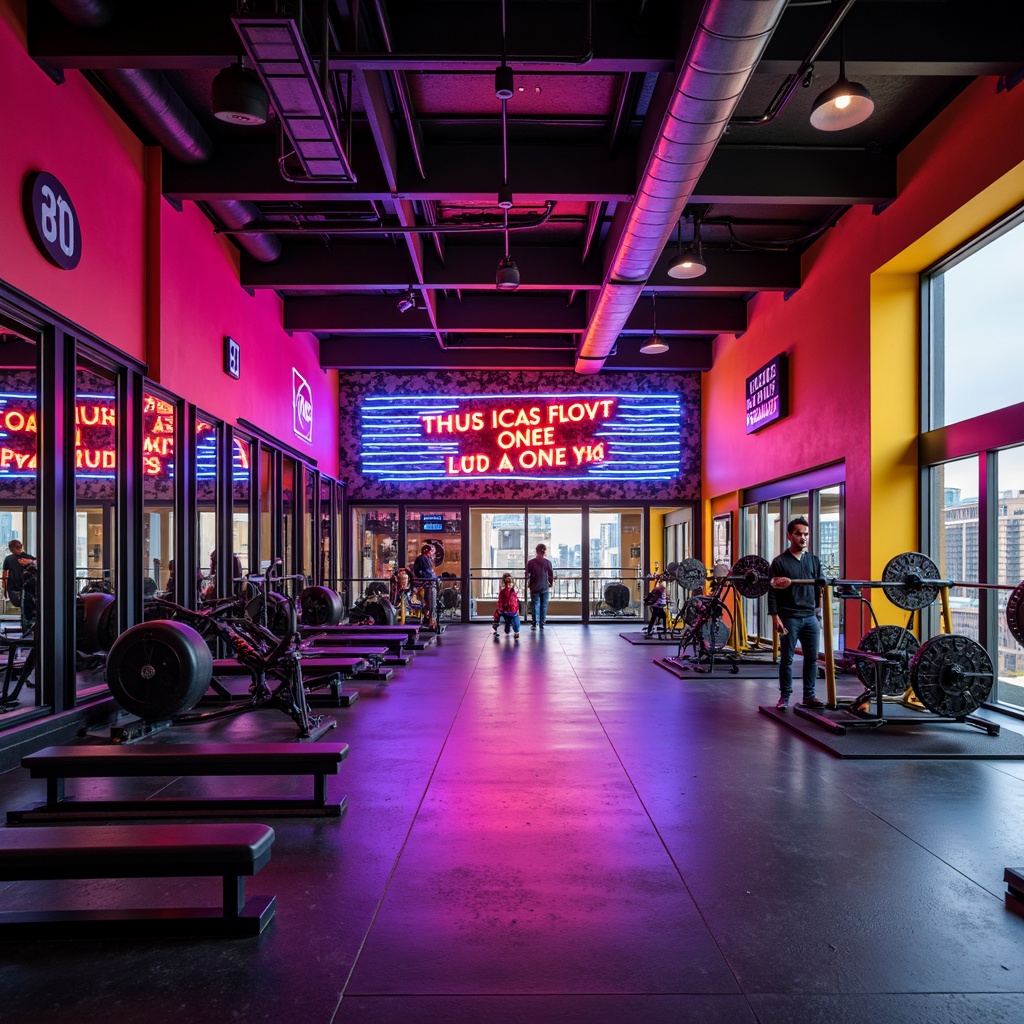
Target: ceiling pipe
[161,111]
[729,40]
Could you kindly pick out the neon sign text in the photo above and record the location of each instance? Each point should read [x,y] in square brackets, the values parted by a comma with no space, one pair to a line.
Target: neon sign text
[610,436]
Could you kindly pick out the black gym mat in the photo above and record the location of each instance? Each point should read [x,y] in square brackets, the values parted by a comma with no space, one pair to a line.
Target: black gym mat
[641,639]
[747,669]
[908,739]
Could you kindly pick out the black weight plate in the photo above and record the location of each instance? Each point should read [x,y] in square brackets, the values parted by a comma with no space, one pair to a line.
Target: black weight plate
[1015,614]
[887,640]
[951,675]
[904,581]
[691,574]
[159,669]
[320,606]
[751,576]
[670,570]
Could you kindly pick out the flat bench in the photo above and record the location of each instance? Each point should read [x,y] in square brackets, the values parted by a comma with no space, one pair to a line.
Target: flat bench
[356,647]
[372,633]
[396,643]
[230,851]
[343,665]
[85,761]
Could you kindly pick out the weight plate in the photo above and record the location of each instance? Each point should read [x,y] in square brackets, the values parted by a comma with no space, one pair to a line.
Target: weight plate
[901,644]
[1015,614]
[904,581]
[670,570]
[750,576]
[951,675]
[691,574]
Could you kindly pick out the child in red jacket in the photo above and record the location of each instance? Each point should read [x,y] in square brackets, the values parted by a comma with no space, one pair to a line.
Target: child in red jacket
[508,606]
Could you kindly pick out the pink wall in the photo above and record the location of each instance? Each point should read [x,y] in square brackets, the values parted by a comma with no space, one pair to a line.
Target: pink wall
[825,326]
[70,132]
[200,303]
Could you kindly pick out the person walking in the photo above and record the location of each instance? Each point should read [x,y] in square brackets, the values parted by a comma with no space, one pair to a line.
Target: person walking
[508,607]
[795,610]
[540,578]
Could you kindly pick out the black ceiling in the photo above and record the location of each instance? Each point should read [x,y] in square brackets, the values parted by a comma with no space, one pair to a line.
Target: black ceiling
[413,86]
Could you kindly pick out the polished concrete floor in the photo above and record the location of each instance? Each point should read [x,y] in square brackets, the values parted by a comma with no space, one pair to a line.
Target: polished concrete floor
[559,830]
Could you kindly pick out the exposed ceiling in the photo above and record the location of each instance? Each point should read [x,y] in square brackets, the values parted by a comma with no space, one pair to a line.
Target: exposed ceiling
[418,126]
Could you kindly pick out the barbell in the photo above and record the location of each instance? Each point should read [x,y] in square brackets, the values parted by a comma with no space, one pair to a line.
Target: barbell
[909,580]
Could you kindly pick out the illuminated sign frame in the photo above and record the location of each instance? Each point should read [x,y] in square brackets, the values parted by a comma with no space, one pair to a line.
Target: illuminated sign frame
[542,437]
[767,397]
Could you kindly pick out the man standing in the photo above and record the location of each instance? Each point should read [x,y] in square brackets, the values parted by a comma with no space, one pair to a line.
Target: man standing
[795,609]
[14,576]
[540,577]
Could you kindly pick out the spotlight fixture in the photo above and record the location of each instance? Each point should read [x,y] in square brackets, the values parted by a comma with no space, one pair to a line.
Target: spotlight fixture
[239,96]
[689,262]
[507,277]
[406,301]
[844,104]
[654,345]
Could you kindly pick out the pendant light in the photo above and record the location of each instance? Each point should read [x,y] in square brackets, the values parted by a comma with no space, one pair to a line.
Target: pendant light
[844,104]
[688,263]
[654,346]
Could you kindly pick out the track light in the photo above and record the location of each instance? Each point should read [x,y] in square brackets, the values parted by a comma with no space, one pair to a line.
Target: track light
[844,104]
[406,301]
[689,262]
[654,345]
[239,96]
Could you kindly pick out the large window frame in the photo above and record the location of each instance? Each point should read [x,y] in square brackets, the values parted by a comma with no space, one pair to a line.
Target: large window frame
[983,436]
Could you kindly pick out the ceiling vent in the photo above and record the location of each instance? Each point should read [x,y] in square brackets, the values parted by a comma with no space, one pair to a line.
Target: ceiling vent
[276,50]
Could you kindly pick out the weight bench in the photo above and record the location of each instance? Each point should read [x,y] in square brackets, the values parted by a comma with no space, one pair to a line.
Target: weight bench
[371,633]
[57,764]
[397,644]
[231,851]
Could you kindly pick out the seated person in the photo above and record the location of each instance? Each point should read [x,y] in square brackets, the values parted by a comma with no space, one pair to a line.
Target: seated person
[656,600]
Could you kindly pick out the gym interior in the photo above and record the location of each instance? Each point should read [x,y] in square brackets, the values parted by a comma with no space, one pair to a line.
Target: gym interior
[252,369]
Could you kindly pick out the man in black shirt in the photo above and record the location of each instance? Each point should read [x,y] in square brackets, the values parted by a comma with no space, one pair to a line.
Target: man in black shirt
[796,612]
[14,576]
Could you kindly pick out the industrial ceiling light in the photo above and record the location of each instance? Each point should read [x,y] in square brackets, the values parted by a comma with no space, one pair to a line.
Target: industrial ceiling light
[654,345]
[406,301]
[689,262]
[844,104]
[239,96]
[506,279]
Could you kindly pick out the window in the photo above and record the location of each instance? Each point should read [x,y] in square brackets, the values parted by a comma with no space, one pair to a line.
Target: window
[976,315]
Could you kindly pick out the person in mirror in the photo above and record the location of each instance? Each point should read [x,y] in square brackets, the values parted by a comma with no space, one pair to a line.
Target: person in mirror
[14,576]
[423,570]
[540,578]
[795,610]
[656,601]
[508,607]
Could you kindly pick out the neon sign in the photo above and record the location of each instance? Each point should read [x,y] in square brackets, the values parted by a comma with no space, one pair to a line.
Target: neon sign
[501,437]
[96,439]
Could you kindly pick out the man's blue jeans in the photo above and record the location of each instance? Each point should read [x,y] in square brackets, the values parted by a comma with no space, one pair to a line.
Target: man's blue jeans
[540,606]
[805,629]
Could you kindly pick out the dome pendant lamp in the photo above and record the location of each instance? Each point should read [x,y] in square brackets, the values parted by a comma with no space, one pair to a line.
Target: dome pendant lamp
[688,263]
[844,104]
[654,345]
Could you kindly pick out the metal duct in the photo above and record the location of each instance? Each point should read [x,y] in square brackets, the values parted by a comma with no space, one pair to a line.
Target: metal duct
[149,96]
[729,41]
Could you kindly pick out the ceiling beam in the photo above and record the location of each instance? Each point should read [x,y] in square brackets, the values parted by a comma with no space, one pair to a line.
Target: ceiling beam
[426,37]
[929,37]
[470,173]
[422,354]
[502,315]
[587,173]
[373,267]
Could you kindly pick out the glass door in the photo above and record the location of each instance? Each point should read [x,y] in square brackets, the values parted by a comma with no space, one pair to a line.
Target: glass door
[616,586]
[561,530]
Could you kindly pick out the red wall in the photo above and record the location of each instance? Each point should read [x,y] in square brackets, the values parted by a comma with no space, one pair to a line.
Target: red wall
[825,326]
[68,131]
[200,303]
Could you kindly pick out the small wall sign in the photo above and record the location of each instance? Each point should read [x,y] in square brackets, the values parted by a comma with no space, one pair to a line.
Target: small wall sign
[302,407]
[232,358]
[767,394]
[52,221]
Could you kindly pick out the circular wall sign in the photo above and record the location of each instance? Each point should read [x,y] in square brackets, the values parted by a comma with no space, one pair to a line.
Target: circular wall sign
[52,220]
